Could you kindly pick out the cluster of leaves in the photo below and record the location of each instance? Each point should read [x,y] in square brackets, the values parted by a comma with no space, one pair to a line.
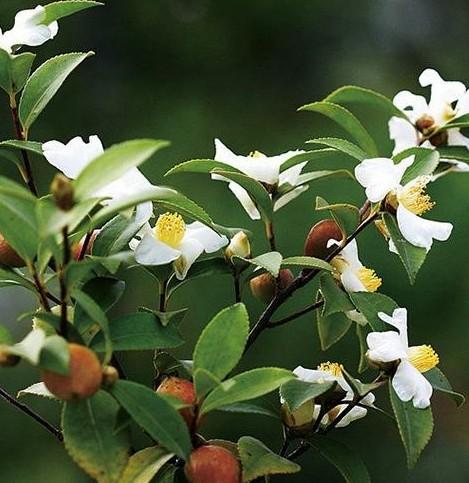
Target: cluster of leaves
[60,270]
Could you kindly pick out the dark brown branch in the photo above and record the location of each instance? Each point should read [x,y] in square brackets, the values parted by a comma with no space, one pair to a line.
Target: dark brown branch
[296,315]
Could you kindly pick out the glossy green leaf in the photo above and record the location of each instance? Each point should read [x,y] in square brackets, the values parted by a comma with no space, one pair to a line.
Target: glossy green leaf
[91,440]
[11,276]
[31,146]
[306,178]
[336,300]
[44,83]
[425,162]
[307,262]
[361,336]
[230,328]
[370,303]
[155,415]
[459,153]
[318,155]
[458,122]
[411,256]
[145,464]
[140,331]
[204,381]
[258,460]
[439,382]
[343,146]
[245,386]
[347,461]
[204,166]
[347,121]
[297,392]
[332,328]
[14,70]
[345,215]
[259,406]
[58,10]
[415,426]
[270,262]
[55,355]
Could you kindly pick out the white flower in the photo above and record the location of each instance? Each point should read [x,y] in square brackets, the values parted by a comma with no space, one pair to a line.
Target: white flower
[425,118]
[171,240]
[382,179]
[73,157]
[327,372]
[28,30]
[239,246]
[391,346]
[353,275]
[265,170]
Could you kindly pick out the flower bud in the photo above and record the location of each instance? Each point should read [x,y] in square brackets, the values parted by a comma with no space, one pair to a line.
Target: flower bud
[110,376]
[386,367]
[439,139]
[239,246]
[213,464]
[300,421]
[264,287]
[8,255]
[319,236]
[425,124]
[183,390]
[63,192]
[7,359]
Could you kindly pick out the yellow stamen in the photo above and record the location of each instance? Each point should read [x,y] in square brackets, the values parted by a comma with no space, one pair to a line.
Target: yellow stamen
[414,197]
[256,154]
[170,229]
[369,279]
[423,357]
[333,368]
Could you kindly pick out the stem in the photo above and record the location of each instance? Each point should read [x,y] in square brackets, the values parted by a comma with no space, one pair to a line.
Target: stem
[28,172]
[285,445]
[43,294]
[303,279]
[27,410]
[269,233]
[296,315]
[86,244]
[302,448]
[163,294]
[63,284]
[237,286]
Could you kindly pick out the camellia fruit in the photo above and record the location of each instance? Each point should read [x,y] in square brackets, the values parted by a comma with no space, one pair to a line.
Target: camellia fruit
[319,236]
[265,286]
[84,377]
[213,464]
[183,390]
[8,256]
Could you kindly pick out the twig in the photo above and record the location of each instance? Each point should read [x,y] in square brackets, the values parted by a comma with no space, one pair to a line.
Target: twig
[269,233]
[296,453]
[27,410]
[296,315]
[86,244]
[237,287]
[63,284]
[43,294]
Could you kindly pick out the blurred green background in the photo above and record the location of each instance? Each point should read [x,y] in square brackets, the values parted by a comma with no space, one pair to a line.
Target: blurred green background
[193,70]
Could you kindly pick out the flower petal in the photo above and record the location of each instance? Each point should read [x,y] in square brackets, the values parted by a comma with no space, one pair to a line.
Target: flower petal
[210,240]
[403,133]
[190,249]
[356,413]
[456,138]
[290,196]
[245,200]
[441,90]
[290,175]
[412,105]
[313,375]
[409,384]
[385,346]
[151,251]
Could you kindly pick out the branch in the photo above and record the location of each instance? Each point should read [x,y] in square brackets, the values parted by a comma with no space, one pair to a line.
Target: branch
[295,315]
[27,410]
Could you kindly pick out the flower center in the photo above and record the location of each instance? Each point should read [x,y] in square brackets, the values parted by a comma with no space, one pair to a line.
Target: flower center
[170,229]
[423,357]
[256,154]
[414,197]
[369,279]
[333,368]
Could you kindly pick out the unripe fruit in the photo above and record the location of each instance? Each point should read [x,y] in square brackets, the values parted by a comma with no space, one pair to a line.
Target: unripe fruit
[212,464]
[84,377]
[265,286]
[8,256]
[183,390]
[319,236]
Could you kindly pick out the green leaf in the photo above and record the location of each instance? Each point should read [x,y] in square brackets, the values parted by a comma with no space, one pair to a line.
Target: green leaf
[17,209]
[336,300]
[360,95]
[343,146]
[11,276]
[38,389]
[345,215]
[332,328]
[58,10]
[258,460]
[114,163]
[306,178]
[231,326]
[204,166]
[245,386]
[145,464]
[140,331]
[204,381]
[270,262]
[321,155]
[91,440]
[307,262]
[347,121]
[297,392]
[425,162]
[14,71]
[258,406]
[155,415]
[411,256]
[5,336]
[31,146]
[361,336]
[439,382]
[458,122]
[370,303]
[55,355]
[44,84]
[347,462]
[415,426]
[459,153]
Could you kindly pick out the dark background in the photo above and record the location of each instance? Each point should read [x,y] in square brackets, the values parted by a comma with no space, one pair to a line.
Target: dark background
[192,70]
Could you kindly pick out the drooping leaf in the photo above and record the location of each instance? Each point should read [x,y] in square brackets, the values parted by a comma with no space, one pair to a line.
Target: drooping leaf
[370,303]
[440,382]
[345,215]
[307,262]
[411,256]
[14,70]
[91,440]
[245,386]
[155,415]
[347,121]
[58,10]
[415,426]
[347,462]
[270,261]
[335,299]
[297,392]
[258,460]
[44,84]
[332,328]
[145,464]
[343,146]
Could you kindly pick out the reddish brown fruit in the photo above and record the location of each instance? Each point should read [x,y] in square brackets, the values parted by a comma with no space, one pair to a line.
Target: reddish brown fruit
[213,464]
[84,377]
[184,391]
[264,286]
[78,247]
[318,237]
[8,256]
